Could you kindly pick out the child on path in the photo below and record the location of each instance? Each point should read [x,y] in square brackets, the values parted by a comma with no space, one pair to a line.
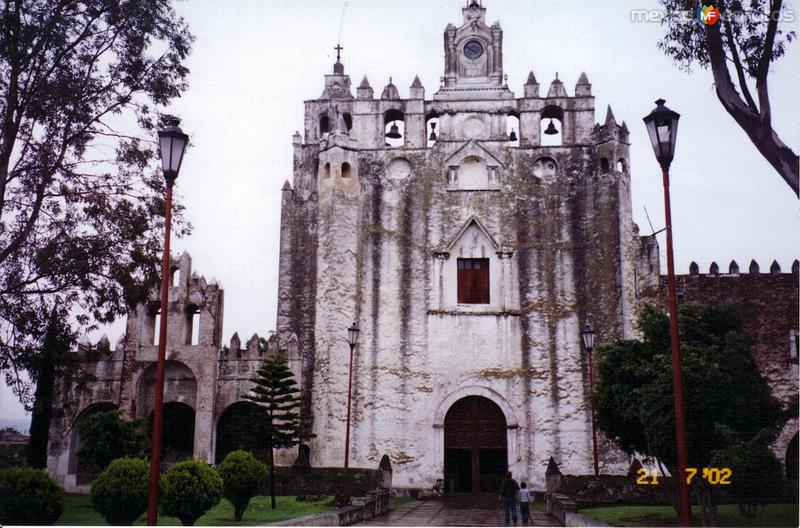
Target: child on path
[524,503]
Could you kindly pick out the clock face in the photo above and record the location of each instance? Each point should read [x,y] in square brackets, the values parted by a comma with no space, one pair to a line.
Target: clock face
[473,49]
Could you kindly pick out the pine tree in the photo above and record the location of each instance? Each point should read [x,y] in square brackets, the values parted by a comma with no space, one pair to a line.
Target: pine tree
[277,393]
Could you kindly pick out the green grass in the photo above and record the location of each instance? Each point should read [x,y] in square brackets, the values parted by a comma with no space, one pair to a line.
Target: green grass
[78,511]
[727,515]
[396,502]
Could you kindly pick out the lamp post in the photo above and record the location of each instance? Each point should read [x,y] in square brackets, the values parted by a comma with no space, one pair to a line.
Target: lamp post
[662,126]
[352,339]
[172,144]
[588,341]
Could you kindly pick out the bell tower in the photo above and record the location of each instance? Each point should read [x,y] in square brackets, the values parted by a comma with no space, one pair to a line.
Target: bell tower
[473,58]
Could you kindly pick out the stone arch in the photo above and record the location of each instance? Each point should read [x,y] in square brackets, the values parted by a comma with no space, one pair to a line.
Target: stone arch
[238,428]
[180,385]
[780,447]
[475,390]
[74,466]
[604,166]
[622,165]
[346,170]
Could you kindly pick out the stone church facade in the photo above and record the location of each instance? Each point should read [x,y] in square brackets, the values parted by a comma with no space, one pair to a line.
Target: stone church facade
[471,253]
[471,235]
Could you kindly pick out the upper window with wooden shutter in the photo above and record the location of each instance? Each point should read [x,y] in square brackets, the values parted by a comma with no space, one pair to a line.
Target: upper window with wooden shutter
[473,281]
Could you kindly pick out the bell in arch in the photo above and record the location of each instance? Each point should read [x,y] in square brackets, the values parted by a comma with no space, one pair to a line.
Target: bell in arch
[394,132]
[432,137]
[513,135]
[551,129]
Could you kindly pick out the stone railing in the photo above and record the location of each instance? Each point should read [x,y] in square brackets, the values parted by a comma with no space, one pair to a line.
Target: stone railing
[559,505]
[363,508]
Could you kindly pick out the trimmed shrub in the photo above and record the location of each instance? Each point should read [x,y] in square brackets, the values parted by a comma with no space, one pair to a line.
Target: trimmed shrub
[120,493]
[29,496]
[189,489]
[242,477]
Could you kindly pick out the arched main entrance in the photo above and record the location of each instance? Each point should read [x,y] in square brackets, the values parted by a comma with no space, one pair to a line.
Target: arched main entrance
[475,446]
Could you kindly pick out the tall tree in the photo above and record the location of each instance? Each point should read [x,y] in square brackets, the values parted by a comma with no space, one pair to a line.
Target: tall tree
[725,398]
[54,357]
[81,213]
[739,49]
[277,393]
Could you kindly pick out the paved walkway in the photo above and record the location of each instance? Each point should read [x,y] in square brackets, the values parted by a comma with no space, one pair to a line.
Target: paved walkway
[459,510]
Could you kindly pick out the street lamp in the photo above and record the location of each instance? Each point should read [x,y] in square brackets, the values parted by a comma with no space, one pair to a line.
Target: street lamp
[662,126]
[588,342]
[352,339]
[172,144]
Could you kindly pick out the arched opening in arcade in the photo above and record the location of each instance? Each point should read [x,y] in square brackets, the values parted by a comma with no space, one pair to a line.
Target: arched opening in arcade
[85,472]
[241,426]
[177,433]
[475,446]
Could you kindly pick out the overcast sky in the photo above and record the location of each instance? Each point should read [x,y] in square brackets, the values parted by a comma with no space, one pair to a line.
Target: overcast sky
[255,62]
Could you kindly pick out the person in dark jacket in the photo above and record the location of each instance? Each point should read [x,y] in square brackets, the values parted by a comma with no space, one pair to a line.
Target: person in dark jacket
[508,494]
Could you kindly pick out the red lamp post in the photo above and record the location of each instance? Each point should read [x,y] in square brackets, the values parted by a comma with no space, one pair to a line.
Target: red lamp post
[172,144]
[662,126]
[352,339]
[588,341]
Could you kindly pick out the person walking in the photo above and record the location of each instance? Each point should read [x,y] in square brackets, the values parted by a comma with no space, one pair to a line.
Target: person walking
[524,503]
[508,494]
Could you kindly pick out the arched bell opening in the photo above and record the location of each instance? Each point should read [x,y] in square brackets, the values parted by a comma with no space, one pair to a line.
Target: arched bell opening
[324,124]
[394,128]
[512,129]
[552,126]
[432,130]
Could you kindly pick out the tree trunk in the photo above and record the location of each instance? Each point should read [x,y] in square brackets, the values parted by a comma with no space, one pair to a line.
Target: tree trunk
[756,123]
[705,499]
[238,513]
[271,475]
[42,407]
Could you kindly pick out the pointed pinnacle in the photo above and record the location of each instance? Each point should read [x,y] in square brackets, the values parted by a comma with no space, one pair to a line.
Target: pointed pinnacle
[364,83]
[416,83]
[610,117]
[583,79]
[531,78]
[286,186]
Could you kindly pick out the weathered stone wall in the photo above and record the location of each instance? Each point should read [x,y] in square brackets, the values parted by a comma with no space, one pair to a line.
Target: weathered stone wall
[352,482]
[205,376]
[375,241]
[772,313]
